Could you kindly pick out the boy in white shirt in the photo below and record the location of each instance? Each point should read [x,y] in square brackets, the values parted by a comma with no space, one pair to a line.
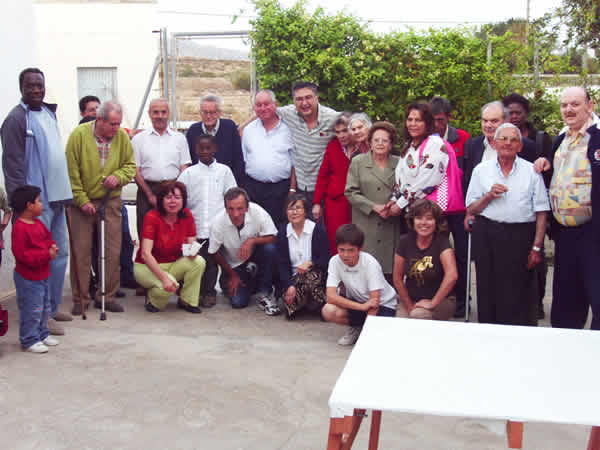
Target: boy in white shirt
[206,183]
[366,292]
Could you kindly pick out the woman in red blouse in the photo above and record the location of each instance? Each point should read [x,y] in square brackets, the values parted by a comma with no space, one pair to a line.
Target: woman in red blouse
[159,263]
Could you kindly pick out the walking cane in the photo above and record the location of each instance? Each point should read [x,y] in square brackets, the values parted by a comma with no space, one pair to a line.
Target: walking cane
[468,287]
[74,265]
[100,211]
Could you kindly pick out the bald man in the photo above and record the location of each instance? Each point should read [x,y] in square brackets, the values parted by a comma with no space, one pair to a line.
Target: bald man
[574,193]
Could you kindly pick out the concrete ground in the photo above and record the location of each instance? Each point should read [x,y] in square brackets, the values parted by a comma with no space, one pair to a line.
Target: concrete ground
[224,379]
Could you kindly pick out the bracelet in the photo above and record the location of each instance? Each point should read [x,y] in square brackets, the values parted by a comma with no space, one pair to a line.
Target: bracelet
[292,190]
[536,249]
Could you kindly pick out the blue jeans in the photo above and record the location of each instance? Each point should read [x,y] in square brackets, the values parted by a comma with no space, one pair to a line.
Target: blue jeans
[259,280]
[34,309]
[55,220]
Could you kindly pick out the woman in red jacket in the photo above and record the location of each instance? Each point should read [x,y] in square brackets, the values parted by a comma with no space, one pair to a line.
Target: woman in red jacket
[331,180]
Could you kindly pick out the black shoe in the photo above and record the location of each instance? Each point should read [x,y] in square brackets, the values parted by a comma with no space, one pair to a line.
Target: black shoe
[109,306]
[460,312]
[541,314]
[120,294]
[129,284]
[151,308]
[76,310]
[189,308]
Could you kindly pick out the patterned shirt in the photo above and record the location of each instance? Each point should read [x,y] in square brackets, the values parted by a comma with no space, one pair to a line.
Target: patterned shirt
[571,185]
[103,147]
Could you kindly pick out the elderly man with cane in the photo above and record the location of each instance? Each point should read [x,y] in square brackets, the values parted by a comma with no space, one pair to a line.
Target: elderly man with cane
[510,201]
[100,159]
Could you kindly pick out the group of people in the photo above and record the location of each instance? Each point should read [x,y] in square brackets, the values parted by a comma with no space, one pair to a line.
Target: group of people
[303,207]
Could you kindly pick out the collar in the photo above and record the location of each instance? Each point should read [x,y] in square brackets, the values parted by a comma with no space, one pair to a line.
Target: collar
[212,165]
[167,131]
[451,134]
[355,268]
[318,115]
[215,129]
[247,217]
[486,144]
[583,130]
[98,138]
[51,106]
[513,168]
[272,129]
[309,226]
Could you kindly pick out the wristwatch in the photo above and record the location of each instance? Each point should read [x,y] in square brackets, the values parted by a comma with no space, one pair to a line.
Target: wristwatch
[536,249]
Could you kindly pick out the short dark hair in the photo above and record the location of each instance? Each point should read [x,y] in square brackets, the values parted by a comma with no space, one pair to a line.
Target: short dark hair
[349,234]
[297,197]
[235,192]
[85,100]
[516,98]
[439,105]
[303,85]
[87,119]
[29,70]
[386,126]
[166,188]
[423,206]
[23,195]
[208,137]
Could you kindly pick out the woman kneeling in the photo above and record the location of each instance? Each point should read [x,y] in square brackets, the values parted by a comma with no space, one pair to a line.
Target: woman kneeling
[159,264]
[424,265]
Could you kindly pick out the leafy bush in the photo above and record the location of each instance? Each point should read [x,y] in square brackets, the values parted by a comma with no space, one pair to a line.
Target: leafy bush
[187,71]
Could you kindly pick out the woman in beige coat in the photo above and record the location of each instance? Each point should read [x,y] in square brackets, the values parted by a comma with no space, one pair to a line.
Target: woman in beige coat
[368,189]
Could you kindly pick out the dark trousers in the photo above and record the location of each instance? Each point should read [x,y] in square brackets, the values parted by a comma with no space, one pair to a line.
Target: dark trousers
[459,235]
[209,278]
[126,260]
[506,290]
[143,205]
[576,284]
[271,196]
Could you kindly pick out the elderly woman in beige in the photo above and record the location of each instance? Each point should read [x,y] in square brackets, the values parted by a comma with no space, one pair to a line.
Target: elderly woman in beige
[368,188]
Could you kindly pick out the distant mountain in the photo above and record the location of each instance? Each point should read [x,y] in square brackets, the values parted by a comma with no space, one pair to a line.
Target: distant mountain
[190,49]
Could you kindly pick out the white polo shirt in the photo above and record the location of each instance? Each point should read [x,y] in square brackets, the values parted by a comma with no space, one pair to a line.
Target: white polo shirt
[360,280]
[300,246]
[269,155]
[223,233]
[160,157]
[206,187]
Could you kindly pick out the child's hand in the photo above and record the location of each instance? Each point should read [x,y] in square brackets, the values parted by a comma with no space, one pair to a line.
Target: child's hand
[53,250]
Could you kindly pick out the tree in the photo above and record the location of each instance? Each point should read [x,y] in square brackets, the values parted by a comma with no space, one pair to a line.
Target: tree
[582,18]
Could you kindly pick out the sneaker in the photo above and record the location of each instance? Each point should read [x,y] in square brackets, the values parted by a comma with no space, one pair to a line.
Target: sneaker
[350,337]
[267,303]
[55,328]
[208,301]
[38,347]
[189,308]
[51,341]
[109,306]
[62,317]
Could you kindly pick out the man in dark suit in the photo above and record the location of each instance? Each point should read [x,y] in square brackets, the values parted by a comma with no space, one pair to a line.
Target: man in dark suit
[229,151]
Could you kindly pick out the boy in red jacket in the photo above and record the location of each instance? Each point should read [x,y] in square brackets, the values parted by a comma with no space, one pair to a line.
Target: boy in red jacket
[34,248]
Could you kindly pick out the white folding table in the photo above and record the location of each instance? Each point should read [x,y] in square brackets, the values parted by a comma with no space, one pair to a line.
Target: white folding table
[502,372]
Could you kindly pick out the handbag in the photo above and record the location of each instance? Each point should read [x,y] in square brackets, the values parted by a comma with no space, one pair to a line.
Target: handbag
[448,195]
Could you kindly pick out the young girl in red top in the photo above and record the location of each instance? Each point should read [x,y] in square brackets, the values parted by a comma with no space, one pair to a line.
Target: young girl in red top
[34,248]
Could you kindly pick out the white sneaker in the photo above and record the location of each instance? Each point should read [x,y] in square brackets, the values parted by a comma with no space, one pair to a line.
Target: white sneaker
[38,347]
[51,341]
[350,337]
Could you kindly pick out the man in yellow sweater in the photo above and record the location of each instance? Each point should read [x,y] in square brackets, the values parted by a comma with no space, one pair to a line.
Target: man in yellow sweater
[99,158]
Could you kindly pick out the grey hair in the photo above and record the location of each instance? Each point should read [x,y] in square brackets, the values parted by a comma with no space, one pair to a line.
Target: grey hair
[266,91]
[496,104]
[107,107]
[214,99]
[361,117]
[158,100]
[508,125]
[342,119]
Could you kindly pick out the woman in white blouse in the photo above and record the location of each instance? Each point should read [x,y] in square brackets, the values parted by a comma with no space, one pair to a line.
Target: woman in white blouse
[424,159]
[303,255]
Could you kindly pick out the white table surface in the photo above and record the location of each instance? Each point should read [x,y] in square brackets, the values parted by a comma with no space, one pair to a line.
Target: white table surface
[472,370]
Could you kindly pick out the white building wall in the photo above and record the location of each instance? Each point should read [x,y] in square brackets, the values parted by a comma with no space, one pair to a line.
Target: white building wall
[72,35]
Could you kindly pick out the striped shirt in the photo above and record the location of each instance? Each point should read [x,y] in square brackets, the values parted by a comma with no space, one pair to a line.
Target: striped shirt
[310,144]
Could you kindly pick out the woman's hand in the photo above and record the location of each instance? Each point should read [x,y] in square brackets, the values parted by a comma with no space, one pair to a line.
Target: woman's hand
[170,285]
[304,267]
[394,209]
[316,212]
[290,295]
[382,210]
[424,303]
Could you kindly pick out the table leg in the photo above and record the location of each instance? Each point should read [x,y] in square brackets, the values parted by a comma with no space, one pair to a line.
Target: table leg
[594,442]
[336,430]
[514,432]
[356,421]
[374,434]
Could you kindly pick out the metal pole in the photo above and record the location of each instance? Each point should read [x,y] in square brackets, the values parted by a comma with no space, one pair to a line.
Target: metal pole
[147,92]
[210,34]
[489,63]
[165,60]
[173,85]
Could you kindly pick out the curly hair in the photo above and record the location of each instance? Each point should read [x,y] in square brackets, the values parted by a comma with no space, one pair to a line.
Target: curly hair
[386,126]
[423,206]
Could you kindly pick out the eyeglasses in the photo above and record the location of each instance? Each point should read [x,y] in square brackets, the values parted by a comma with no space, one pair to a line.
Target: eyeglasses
[381,141]
[512,140]
[209,113]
